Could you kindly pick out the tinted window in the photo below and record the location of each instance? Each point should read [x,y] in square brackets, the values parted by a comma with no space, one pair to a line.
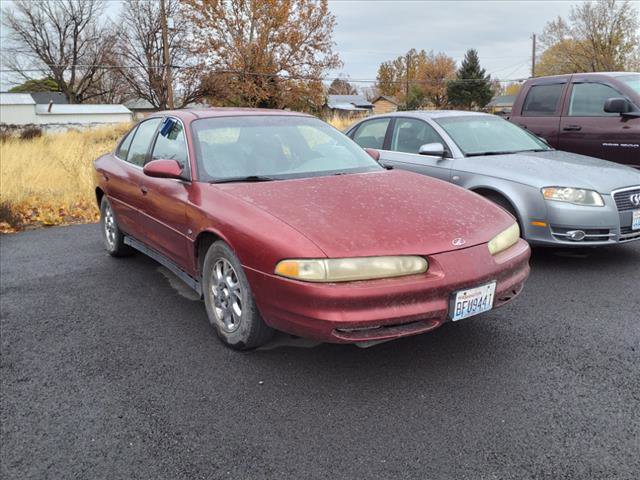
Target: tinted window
[587,100]
[410,134]
[371,133]
[123,149]
[542,100]
[275,146]
[142,140]
[171,143]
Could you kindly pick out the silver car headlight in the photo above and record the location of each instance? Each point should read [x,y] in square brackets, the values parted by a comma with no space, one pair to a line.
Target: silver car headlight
[351,269]
[577,196]
[504,239]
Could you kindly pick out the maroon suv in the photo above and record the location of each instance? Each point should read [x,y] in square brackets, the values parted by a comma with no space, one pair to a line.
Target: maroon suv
[596,114]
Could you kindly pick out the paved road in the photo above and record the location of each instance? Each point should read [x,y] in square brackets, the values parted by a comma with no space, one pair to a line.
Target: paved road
[110,370]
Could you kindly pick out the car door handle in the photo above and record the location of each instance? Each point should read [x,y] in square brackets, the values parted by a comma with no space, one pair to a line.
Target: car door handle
[144,190]
[572,128]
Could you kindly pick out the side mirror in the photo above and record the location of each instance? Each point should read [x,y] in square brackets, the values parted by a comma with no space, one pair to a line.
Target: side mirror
[163,169]
[432,149]
[617,105]
[373,153]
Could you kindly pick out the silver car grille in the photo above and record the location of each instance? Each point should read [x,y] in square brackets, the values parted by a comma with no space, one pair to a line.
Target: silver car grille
[590,234]
[623,199]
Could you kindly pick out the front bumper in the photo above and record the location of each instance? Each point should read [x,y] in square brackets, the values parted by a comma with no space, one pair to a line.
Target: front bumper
[601,225]
[390,308]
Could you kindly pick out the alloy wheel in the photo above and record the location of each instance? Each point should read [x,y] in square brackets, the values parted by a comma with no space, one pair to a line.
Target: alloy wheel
[226,295]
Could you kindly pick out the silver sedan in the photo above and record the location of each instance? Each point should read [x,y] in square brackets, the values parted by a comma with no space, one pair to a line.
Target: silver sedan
[558,198]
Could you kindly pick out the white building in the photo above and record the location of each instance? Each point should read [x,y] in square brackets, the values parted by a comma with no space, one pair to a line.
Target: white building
[20,109]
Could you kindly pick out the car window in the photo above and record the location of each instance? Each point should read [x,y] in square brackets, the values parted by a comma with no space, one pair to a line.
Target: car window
[587,100]
[371,133]
[123,148]
[170,142]
[542,100]
[276,146]
[479,135]
[410,134]
[142,140]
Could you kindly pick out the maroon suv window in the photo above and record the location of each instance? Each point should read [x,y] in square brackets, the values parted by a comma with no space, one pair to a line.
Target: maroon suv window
[543,100]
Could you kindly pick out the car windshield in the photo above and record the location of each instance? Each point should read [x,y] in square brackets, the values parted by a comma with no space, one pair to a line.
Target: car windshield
[274,147]
[632,80]
[488,135]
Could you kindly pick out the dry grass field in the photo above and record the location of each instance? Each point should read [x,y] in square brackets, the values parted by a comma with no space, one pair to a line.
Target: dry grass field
[47,180]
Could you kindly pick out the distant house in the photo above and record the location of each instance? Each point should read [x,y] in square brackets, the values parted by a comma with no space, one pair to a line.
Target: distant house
[348,105]
[501,104]
[49,97]
[140,108]
[20,109]
[384,104]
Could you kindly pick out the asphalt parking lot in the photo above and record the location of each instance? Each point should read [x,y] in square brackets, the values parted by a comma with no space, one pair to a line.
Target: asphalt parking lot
[110,370]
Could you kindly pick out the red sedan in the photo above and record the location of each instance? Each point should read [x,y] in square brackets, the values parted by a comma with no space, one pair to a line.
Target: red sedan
[281,222]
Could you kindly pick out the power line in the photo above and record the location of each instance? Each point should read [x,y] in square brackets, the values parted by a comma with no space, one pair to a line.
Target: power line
[257,74]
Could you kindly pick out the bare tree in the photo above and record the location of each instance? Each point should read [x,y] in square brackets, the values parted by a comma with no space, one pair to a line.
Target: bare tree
[140,51]
[598,36]
[63,40]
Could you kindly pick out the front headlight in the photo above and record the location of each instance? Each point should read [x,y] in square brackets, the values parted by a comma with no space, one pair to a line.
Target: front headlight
[577,196]
[351,269]
[504,239]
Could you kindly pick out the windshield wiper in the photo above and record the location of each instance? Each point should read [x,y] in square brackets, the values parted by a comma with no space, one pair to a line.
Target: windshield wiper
[480,154]
[248,178]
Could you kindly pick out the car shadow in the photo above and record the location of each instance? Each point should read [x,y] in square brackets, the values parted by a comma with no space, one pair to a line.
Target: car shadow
[585,257]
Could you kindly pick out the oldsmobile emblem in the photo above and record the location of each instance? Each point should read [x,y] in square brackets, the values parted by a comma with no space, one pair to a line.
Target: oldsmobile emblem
[458,242]
[635,199]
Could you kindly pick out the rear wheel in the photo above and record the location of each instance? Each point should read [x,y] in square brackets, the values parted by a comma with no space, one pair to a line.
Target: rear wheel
[229,301]
[111,234]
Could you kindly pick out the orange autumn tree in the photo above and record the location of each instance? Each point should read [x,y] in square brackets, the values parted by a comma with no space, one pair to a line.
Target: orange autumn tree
[264,53]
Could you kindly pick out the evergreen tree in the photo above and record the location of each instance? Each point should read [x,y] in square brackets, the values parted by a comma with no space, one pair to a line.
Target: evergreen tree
[472,87]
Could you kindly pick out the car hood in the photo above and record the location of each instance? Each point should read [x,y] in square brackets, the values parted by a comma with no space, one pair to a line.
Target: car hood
[380,213]
[556,168]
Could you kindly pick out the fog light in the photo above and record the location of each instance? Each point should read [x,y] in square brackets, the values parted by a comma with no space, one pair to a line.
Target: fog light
[576,235]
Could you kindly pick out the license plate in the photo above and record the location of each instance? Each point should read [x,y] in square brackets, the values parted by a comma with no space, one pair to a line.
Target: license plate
[473,301]
[635,223]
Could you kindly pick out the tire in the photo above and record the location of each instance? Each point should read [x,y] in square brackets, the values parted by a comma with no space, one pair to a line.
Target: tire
[111,235]
[505,205]
[229,301]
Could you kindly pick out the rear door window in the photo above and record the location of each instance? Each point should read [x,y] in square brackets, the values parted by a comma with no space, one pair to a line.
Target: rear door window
[142,141]
[410,134]
[371,133]
[587,100]
[543,100]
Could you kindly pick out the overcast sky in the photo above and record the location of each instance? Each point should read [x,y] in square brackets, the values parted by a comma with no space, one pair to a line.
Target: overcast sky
[370,32]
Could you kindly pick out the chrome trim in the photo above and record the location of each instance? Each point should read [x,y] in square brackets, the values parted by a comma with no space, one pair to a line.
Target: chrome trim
[626,189]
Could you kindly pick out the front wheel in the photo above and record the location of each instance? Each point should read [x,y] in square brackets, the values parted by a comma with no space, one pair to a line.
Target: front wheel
[111,234]
[229,301]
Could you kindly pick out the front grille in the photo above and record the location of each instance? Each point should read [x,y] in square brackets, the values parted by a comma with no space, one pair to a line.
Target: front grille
[591,234]
[623,200]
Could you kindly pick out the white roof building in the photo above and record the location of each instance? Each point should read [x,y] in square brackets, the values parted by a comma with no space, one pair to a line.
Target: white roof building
[21,109]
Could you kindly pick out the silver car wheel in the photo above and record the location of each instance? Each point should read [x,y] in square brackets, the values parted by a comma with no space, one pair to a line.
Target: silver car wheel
[226,295]
[109,227]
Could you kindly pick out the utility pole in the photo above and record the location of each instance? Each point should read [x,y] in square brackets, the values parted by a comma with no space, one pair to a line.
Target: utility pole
[533,56]
[165,55]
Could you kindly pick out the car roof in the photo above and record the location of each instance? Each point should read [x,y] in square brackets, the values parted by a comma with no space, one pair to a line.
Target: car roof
[196,113]
[435,114]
